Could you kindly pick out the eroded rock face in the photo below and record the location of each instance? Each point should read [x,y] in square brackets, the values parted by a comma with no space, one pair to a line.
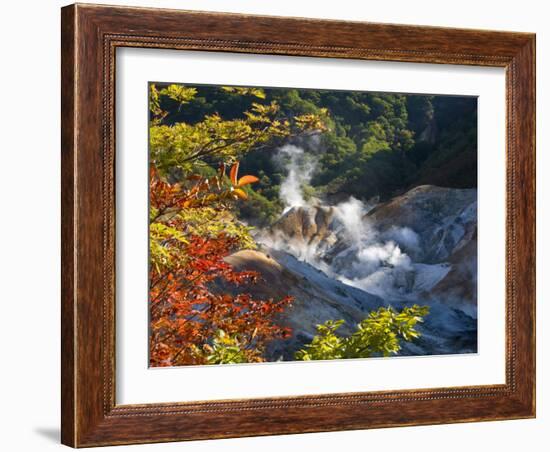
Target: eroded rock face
[317,298]
[307,224]
[459,286]
[445,219]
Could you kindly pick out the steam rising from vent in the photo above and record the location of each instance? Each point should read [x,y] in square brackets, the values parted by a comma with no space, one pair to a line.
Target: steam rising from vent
[340,240]
[350,213]
[300,169]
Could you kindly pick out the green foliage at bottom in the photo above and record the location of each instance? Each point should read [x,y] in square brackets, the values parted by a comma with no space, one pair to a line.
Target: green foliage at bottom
[380,334]
[226,349]
[377,335]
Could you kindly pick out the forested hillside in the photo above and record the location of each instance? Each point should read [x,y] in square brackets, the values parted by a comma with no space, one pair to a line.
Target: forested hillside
[375,145]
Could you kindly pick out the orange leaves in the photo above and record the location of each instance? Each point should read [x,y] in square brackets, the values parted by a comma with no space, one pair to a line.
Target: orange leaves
[236,190]
[193,291]
[241,194]
[191,302]
[233,173]
[245,180]
[187,309]
[200,191]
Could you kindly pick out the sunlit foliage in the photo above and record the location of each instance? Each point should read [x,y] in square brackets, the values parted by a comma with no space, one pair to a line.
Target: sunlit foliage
[379,334]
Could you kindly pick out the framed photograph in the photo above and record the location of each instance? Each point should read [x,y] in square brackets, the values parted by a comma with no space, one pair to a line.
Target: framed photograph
[281,225]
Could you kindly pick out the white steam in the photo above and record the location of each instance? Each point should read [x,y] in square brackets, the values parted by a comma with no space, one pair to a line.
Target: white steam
[351,214]
[371,261]
[351,250]
[299,169]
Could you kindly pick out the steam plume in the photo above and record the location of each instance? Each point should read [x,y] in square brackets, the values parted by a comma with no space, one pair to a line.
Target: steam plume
[299,169]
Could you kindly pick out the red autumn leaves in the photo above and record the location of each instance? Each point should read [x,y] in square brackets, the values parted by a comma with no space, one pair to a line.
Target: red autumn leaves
[194,292]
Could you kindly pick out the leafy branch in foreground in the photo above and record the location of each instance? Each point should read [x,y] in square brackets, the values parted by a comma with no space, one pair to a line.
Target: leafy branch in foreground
[226,349]
[195,316]
[377,335]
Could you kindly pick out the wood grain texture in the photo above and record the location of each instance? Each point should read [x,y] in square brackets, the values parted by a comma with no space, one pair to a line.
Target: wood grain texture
[67,226]
[90,36]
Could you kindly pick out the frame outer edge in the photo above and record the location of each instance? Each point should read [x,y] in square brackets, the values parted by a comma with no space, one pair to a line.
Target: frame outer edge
[534,226]
[525,61]
[86,419]
[68,229]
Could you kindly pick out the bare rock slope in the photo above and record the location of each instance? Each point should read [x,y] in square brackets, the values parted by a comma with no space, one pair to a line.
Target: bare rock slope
[341,262]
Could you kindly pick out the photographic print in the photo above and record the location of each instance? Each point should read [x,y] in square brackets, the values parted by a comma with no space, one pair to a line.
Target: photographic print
[290,224]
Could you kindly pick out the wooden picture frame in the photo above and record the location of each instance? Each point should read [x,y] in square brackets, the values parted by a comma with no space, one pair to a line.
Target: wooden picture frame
[90,36]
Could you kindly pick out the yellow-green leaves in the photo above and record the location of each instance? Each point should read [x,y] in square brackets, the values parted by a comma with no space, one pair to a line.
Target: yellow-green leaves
[256,92]
[154,101]
[326,345]
[226,349]
[379,334]
[187,146]
[163,245]
[311,122]
[179,93]
[210,222]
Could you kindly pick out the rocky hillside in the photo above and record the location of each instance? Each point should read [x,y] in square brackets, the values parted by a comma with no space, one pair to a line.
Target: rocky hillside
[342,261]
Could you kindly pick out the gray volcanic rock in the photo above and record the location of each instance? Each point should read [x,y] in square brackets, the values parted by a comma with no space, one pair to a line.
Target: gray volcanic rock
[445,219]
[460,284]
[343,261]
[317,298]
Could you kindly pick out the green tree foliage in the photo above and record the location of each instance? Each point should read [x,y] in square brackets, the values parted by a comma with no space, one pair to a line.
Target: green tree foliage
[374,144]
[186,146]
[226,349]
[377,335]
